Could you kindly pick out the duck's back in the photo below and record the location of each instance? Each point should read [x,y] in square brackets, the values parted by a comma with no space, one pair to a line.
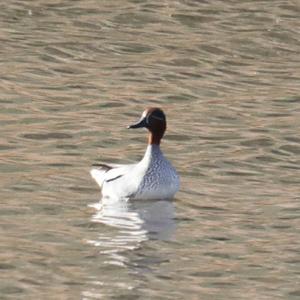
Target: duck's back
[117,182]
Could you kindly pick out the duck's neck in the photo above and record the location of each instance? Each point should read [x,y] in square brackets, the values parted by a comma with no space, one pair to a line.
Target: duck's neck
[153,152]
[154,138]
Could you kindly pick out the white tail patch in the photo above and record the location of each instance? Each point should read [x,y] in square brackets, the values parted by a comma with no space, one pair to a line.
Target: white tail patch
[98,176]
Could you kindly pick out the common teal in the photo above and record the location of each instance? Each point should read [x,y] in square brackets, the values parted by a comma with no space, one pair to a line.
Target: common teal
[152,178]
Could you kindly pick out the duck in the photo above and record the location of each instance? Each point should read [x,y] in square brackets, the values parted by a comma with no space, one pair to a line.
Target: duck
[152,178]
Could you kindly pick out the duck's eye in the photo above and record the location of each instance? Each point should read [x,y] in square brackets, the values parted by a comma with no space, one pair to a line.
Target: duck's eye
[154,115]
[158,115]
[157,118]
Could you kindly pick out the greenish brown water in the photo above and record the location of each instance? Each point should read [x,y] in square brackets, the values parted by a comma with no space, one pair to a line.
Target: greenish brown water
[75,73]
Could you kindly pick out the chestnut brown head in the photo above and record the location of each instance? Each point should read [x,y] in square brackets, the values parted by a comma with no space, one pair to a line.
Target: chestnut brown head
[154,120]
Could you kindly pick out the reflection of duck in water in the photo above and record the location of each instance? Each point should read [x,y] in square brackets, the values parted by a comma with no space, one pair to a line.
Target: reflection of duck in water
[152,178]
[136,222]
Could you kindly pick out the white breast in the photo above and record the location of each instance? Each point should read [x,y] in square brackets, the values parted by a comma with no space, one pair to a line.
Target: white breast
[160,180]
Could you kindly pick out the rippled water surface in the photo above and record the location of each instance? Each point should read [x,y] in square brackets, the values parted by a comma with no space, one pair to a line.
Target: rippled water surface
[75,73]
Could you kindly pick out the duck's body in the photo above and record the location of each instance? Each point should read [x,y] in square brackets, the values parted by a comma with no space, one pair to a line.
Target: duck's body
[152,178]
